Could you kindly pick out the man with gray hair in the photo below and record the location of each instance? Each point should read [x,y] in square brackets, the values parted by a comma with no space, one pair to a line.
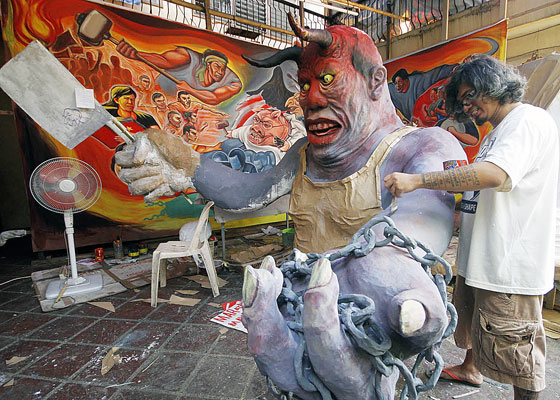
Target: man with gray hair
[506,244]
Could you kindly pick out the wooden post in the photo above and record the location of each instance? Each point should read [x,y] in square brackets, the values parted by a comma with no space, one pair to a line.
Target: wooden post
[301,14]
[207,15]
[445,21]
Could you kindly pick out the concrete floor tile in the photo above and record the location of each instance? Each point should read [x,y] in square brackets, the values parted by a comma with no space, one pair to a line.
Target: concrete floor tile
[75,391]
[194,338]
[148,335]
[221,376]
[27,388]
[31,349]
[64,361]
[169,372]
[24,323]
[233,343]
[104,332]
[63,328]
[131,360]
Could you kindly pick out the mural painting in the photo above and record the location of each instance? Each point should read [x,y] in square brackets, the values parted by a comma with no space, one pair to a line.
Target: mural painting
[152,73]
[416,83]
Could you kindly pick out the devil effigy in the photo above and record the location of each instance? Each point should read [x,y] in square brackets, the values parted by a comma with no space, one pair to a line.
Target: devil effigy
[337,320]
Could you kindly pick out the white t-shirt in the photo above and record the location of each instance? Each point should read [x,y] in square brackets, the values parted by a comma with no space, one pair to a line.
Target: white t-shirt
[506,243]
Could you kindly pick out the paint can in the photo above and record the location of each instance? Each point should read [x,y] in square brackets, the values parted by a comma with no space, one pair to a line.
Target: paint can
[142,248]
[99,254]
[133,251]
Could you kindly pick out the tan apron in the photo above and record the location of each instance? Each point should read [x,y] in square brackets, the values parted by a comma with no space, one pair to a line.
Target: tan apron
[327,214]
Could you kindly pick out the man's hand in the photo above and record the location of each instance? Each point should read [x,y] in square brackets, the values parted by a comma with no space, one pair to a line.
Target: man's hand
[127,50]
[157,164]
[398,183]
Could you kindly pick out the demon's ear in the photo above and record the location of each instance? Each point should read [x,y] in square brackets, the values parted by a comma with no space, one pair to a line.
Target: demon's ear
[377,79]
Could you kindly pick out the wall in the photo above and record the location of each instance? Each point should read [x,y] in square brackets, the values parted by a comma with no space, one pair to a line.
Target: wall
[14,212]
[534,29]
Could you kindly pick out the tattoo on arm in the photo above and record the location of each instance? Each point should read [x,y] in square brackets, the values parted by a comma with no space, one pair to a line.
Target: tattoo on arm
[451,179]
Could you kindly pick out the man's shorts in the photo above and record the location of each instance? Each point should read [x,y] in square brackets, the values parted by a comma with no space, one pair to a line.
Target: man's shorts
[505,332]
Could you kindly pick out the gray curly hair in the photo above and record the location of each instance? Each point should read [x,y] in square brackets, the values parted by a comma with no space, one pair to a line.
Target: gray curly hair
[488,77]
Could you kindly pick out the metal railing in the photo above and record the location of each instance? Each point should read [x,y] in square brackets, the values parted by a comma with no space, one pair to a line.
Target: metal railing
[265,22]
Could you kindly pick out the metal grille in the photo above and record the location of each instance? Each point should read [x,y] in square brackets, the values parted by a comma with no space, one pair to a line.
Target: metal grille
[253,19]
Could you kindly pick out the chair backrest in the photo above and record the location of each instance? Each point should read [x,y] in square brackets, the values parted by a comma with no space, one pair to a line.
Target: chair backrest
[197,238]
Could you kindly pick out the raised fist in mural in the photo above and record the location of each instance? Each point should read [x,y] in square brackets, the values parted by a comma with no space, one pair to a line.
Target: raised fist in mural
[157,164]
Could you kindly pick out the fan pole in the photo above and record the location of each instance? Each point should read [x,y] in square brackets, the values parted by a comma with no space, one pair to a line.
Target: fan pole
[69,223]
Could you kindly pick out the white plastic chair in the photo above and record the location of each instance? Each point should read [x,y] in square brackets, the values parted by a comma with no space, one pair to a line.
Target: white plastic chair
[198,245]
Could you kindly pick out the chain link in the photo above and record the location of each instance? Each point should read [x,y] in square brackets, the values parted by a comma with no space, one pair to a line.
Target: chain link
[356,313]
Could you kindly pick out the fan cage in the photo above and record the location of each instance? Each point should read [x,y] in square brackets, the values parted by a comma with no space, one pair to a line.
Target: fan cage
[45,179]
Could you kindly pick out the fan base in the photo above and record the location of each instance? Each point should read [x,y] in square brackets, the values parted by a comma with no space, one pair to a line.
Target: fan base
[91,283]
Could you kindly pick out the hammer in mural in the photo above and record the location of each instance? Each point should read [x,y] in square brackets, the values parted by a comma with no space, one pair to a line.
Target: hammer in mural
[94,27]
[205,76]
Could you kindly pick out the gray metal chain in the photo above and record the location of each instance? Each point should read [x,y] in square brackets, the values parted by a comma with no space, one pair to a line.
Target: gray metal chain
[356,313]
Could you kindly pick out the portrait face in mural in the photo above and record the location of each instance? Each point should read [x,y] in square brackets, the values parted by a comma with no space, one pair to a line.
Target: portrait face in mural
[174,118]
[159,101]
[269,127]
[401,81]
[216,70]
[126,102]
[185,99]
[145,82]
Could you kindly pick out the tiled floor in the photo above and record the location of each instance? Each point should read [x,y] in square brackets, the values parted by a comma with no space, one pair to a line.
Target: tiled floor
[168,352]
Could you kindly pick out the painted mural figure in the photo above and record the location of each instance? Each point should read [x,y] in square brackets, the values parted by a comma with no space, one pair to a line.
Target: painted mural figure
[122,106]
[332,179]
[205,76]
[406,88]
[174,123]
[271,130]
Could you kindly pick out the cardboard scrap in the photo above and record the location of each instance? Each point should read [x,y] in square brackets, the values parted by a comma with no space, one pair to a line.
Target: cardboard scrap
[15,360]
[205,282]
[10,383]
[183,301]
[216,305]
[187,291]
[110,360]
[106,305]
[223,330]
[150,300]
[255,253]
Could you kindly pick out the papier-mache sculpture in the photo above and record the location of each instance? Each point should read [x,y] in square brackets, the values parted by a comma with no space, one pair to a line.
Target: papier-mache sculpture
[354,139]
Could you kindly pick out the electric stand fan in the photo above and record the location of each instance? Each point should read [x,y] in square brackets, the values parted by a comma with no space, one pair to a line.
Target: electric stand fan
[66,186]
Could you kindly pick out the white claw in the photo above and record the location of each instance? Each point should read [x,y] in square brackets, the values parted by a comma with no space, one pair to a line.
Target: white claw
[412,317]
[250,285]
[269,265]
[321,274]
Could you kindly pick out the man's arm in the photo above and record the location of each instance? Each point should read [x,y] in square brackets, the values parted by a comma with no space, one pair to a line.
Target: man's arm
[214,97]
[169,59]
[482,175]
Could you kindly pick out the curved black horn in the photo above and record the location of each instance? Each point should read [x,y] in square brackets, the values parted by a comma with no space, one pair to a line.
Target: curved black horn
[290,53]
[320,36]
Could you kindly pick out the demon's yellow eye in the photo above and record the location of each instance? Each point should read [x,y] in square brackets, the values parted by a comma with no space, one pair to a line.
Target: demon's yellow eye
[327,78]
[305,87]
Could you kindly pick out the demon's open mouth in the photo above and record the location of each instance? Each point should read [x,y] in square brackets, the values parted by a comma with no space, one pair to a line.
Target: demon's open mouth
[322,127]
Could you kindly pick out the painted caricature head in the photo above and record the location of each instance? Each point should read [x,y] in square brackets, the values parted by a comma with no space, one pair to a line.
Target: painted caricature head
[268,124]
